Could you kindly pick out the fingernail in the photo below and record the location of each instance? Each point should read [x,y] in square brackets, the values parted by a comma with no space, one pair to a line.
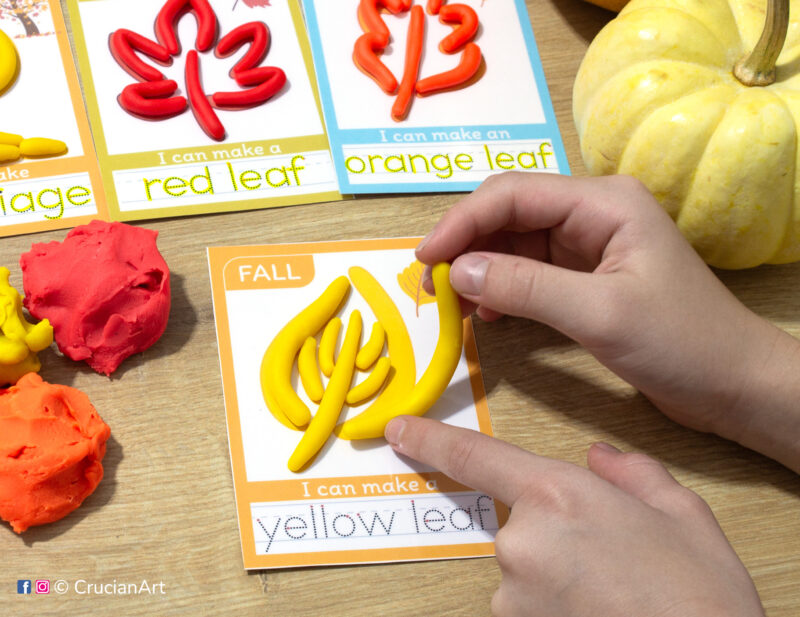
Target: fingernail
[606,447]
[427,277]
[468,273]
[424,241]
[394,430]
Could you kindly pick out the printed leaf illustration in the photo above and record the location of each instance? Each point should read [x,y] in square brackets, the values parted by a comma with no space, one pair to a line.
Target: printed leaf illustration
[252,3]
[155,97]
[22,12]
[377,36]
[410,281]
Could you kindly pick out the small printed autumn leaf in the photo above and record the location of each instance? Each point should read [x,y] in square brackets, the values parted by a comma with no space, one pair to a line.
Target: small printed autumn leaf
[410,280]
[253,3]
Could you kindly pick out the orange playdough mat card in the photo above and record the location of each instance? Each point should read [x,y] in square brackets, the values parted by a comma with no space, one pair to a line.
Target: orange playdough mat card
[356,501]
[40,97]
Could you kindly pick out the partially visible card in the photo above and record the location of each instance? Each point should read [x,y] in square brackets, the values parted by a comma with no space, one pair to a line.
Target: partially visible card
[224,116]
[43,99]
[357,501]
[492,118]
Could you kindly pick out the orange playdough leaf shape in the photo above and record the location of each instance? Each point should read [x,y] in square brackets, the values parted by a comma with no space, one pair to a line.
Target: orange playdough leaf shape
[410,280]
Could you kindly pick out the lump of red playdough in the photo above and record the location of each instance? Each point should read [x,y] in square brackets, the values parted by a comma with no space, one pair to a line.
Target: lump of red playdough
[104,289]
[52,443]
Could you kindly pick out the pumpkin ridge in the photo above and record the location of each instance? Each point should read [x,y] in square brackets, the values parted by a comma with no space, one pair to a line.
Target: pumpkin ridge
[688,15]
[697,155]
[616,82]
[594,97]
[787,251]
[686,39]
[740,234]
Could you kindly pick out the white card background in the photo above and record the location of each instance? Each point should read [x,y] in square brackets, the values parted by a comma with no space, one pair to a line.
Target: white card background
[255,317]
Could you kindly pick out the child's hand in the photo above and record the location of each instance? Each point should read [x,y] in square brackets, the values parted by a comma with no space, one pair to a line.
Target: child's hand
[601,261]
[621,539]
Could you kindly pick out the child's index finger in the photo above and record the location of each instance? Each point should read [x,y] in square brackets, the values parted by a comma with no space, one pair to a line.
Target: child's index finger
[483,463]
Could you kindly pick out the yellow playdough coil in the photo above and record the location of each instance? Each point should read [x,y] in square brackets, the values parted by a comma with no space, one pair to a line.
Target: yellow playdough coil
[372,348]
[278,360]
[42,146]
[323,422]
[371,423]
[401,354]
[10,139]
[367,388]
[327,346]
[8,153]
[309,371]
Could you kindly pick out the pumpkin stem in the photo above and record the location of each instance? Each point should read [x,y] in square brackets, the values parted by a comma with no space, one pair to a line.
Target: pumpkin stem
[758,69]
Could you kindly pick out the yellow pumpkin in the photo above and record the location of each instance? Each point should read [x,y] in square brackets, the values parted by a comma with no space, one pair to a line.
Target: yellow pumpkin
[677,93]
[611,5]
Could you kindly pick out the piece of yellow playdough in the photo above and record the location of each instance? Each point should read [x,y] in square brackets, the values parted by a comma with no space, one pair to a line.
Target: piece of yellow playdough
[8,61]
[20,340]
[8,153]
[42,146]
[10,139]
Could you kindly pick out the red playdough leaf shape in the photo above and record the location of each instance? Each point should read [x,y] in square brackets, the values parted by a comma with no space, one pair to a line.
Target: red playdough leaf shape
[154,97]
[260,82]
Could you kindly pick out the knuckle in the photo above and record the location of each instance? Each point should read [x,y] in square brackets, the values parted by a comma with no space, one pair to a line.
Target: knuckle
[460,455]
[690,504]
[631,459]
[627,184]
[491,183]
[506,548]
[560,496]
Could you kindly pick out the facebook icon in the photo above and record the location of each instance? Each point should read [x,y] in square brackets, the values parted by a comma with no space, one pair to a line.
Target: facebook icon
[23,586]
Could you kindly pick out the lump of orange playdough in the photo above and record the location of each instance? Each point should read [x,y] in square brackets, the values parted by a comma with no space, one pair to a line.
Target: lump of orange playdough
[52,444]
[104,289]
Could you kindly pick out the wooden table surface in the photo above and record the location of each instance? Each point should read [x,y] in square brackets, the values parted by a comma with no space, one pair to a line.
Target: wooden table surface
[165,510]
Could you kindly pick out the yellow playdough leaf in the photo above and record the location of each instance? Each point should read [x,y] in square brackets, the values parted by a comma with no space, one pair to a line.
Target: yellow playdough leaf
[410,280]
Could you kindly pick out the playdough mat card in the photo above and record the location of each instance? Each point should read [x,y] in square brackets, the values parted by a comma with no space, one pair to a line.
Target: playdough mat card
[431,96]
[202,106]
[53,182]
[355,501]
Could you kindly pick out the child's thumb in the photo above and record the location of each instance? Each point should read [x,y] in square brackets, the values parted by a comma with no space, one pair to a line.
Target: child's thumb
[523,287]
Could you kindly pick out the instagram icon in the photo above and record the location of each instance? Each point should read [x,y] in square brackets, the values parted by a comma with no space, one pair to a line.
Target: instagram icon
[42,587]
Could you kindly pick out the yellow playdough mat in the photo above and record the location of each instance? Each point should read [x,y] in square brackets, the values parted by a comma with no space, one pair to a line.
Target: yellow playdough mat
[355,501]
